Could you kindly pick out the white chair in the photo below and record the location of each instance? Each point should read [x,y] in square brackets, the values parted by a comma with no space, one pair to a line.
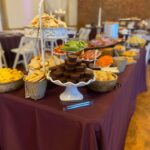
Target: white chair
[26,49]
[147,57]
[84,33]
[3,62]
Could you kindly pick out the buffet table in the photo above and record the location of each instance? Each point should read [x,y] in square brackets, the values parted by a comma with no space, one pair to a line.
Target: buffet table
[9,41]
[43,125]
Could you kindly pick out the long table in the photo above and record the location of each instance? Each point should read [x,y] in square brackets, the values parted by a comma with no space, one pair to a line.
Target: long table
[43,125]
[9,41]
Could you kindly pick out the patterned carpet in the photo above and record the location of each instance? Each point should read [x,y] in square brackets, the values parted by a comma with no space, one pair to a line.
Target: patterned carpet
[138,136]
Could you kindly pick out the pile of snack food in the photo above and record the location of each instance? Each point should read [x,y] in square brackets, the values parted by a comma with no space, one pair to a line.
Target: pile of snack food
[105,61]
[8,75]
[107,51]
[102,42]
[35,76]
[105,81]
[89,55]
[120,47]
[74,46]
[103,75]
[130,60]
[51,61]
[48,21]
[131,53]
[135,40]
[74,71]
[58,50]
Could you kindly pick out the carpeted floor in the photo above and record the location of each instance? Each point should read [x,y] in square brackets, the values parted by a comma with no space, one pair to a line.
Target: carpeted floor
[138,136]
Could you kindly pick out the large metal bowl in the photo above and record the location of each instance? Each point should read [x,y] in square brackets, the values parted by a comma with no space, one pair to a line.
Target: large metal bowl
[103,86]
[11,86]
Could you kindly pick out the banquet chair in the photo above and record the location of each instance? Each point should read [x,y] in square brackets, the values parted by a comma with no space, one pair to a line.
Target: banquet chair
[147,57]
[26,49]
[3,62]
[84,34]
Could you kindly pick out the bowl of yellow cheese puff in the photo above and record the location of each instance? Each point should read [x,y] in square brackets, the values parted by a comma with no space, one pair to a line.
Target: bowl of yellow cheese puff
[10,79]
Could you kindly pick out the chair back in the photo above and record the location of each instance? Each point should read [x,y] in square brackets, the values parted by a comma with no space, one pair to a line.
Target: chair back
[27,44]
[84,33]
[1,49]
[147,57]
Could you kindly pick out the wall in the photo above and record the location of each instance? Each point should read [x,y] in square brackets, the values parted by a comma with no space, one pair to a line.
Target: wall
[73,10]
[19,13]
[69,5]
[111,10]
[1,28]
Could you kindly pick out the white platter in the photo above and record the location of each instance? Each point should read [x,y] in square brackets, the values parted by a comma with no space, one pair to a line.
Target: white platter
[71,92]
[50,33]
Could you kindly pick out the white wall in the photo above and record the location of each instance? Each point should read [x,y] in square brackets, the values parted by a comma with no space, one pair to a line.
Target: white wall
[68,5]
[72,19]
[0,17]
[20,12]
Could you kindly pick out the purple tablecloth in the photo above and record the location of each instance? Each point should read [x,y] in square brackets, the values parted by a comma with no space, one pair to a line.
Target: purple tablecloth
[9,41]
[42,125]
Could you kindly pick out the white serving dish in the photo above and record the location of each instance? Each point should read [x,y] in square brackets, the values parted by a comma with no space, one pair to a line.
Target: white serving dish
[50,33]
[71,92]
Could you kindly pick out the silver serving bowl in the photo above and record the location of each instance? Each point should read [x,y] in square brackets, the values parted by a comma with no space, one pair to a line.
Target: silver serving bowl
[11,86]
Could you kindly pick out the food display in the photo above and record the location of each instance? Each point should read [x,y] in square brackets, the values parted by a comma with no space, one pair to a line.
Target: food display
[104,75]
[73,71]
[90,55]
[131,53]
[58,50]
[135,40]
[10,79]
[102,42]
[105,81]
[8,75]
[108,51]
[111,69]
[104,61]
[120,47]
[74,46]
[35,76]
[48,21]
[51,61]
[130,60]
[81,65]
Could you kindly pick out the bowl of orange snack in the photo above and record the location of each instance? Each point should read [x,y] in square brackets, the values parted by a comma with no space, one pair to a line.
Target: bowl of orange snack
[104,61]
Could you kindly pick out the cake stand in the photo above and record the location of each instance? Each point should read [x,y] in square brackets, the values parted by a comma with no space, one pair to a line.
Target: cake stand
[71,93]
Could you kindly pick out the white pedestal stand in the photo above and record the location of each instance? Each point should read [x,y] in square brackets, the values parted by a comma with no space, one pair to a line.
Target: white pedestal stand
[71,93]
